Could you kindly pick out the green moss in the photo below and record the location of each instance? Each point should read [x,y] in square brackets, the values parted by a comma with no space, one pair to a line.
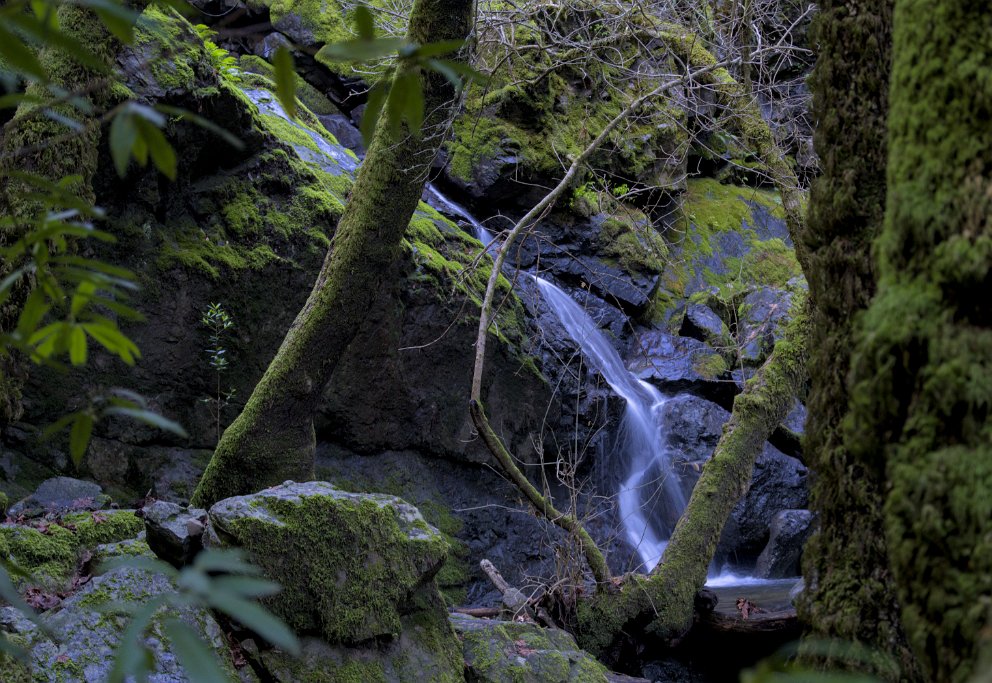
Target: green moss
[356,594]
[49,557]
[94,529]
[308,95]
[628,237]
[710,366]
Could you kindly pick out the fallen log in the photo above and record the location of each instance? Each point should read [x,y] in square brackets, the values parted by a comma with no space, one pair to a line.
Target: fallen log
[757,622]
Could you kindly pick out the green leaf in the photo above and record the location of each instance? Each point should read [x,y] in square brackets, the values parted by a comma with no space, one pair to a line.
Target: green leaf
[373,108]
[150,418]
[442,47]
[364,23]
[112,339]
[77,346]
[57,426]
[285,74]
[123,134]
[255,618]
[231,561]
[199,663]
[162,153]
[361,50]
[19,57]
[247,586]
[406,101]
[79,437]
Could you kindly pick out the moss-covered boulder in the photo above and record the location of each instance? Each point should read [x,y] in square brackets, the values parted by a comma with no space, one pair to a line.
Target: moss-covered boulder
[50,551]
[86,631]
[351,565]
[517,652]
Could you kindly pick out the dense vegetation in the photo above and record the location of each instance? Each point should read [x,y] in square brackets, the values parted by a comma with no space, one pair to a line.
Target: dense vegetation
[320,319]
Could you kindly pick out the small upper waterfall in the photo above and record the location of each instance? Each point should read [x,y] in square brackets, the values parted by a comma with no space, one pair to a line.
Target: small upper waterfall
[445,205]
[650,497]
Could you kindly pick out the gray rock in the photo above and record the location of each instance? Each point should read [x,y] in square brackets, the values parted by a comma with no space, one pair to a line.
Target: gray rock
[267,46]
[59,495]
[778,483]
[87,635]
[516,652]
[700,322]
[787,535]
[344,131]
[763,314]
[175,533]
[348,563]
[670,362]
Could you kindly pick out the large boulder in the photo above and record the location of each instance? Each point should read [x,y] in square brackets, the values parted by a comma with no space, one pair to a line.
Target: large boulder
[350,564]
[519,652]
[86,633]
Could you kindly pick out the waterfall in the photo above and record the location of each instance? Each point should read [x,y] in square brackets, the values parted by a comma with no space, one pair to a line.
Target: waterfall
[445,205]
[651,497]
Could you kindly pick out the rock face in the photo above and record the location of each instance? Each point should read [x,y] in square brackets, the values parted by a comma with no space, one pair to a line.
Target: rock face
[512,652]
[349,563]
[788,532]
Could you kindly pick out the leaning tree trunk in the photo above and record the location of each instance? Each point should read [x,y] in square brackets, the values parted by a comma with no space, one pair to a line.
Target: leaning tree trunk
[33,142]
[664,602]
[849,598]
[273,438]
[922,365]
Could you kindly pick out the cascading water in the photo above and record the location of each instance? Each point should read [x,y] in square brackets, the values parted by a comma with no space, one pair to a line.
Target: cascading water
[434,197]
[651,497]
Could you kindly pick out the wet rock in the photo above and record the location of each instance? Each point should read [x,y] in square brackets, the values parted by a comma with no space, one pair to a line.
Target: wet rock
[349,564]
[87,635]
[59,495]
[779,483]
[787,536]
[700,322]
[174,533]
[515,652]
[674,364]
[763,312]
[341,127]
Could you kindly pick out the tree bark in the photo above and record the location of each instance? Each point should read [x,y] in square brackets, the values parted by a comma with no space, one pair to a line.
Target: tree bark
[663,603]
[850,598]
[273,438]
[922,365]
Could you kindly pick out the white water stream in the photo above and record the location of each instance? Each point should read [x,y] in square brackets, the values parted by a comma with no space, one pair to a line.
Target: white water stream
[650,496]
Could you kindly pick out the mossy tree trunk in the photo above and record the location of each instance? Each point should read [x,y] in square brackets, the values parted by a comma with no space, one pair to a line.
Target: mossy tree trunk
[922,365]
[33,142]
[850,598]
[273,438]
[663,603]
